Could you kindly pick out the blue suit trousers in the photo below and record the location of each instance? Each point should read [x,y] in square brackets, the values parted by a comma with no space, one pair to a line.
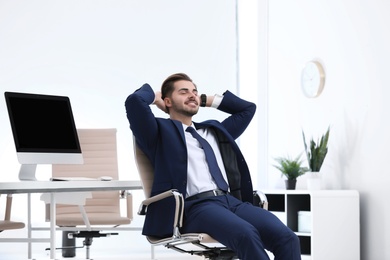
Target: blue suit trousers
[246,229]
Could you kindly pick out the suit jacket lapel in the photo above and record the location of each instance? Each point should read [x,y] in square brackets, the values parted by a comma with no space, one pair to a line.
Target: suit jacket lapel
[179,128]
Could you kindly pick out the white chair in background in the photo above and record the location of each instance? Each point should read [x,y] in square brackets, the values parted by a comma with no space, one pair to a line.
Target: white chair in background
[103,212]
[6,223]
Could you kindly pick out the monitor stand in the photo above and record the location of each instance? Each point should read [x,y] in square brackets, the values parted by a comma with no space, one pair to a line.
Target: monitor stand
[27,172]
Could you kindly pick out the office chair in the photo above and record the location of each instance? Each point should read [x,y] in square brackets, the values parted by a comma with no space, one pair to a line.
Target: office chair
[99,148]
[7,223]
[202,244]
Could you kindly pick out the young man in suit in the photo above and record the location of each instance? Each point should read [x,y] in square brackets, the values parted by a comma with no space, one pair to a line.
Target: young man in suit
[218,199]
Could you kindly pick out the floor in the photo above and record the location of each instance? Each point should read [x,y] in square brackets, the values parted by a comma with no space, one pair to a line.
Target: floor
[119,247]
[129,245]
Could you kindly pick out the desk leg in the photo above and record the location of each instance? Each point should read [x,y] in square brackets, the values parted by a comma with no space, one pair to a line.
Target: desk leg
[29,233]
[52,226]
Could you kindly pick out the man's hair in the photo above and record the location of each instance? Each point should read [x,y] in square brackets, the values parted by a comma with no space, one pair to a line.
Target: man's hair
[167,85]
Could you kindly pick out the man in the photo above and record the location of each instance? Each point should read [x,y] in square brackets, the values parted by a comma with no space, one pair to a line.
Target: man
[216,186]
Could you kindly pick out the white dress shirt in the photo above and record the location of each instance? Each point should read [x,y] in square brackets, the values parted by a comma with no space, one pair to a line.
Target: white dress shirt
[199,178]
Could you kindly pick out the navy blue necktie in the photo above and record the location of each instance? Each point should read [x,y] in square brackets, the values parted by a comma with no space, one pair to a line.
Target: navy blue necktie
[211,160]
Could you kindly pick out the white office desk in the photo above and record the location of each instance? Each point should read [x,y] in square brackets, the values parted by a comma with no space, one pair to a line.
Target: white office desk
[54,187]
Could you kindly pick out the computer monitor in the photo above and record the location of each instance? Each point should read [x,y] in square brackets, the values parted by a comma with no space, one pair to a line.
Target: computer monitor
[44,131]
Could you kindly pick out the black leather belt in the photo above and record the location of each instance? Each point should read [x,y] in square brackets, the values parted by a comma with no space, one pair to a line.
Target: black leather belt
[210,193]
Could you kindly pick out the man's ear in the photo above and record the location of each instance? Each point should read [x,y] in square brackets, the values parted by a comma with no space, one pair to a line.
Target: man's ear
[168,102]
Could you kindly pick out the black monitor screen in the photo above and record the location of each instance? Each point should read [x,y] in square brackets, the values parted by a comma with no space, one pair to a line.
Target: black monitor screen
[42,123]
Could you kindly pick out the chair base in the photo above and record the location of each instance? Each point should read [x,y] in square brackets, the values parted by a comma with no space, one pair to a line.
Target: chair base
[199,244]
[211,253]
[68,245]
[69,241]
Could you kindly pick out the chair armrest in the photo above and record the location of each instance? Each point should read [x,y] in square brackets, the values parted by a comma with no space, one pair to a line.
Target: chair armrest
[179,202]
[157,197]
[260,199]
[129,206]
[125,194]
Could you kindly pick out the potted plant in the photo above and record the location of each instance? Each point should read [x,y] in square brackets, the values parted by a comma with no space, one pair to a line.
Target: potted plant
[291,169]
[316,154]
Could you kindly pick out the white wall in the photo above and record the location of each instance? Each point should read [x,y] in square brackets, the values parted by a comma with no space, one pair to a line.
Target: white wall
[97,52]
[352,40]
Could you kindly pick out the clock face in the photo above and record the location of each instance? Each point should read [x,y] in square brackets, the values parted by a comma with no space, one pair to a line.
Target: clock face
[313,79]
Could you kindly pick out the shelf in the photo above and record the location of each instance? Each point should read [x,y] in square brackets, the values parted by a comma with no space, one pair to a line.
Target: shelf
[276,202]
[305,245]
[334,218]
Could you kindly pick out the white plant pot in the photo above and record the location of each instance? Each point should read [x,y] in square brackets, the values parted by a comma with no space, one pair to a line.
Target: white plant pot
[314,181]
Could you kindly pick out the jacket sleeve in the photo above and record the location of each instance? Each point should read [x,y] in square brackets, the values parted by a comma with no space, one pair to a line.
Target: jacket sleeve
[241,111]
[142,121]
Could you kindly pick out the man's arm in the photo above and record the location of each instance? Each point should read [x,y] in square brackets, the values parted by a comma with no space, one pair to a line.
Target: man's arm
[159,102]
[142,121]
[241,111]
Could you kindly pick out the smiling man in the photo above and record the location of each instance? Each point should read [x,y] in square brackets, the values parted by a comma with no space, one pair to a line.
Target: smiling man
[204,163]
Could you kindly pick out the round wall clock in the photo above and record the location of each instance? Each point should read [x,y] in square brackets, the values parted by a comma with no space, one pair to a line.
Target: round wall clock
[313,79]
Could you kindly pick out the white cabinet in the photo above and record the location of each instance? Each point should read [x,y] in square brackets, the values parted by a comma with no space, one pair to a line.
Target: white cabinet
[333,231]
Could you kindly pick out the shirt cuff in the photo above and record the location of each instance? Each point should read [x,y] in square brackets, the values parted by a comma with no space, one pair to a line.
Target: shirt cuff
[217,101]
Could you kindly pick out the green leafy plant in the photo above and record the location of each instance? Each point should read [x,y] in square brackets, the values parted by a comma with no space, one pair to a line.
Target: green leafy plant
[291,168]
[316,153]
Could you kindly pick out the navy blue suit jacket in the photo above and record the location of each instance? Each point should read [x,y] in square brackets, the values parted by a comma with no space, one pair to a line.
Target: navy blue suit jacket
[163,142]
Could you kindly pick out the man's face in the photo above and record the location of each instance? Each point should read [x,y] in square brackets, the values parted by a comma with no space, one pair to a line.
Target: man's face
[184,99]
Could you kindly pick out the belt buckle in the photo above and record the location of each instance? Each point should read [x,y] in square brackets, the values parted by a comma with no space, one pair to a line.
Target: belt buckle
[215,193]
